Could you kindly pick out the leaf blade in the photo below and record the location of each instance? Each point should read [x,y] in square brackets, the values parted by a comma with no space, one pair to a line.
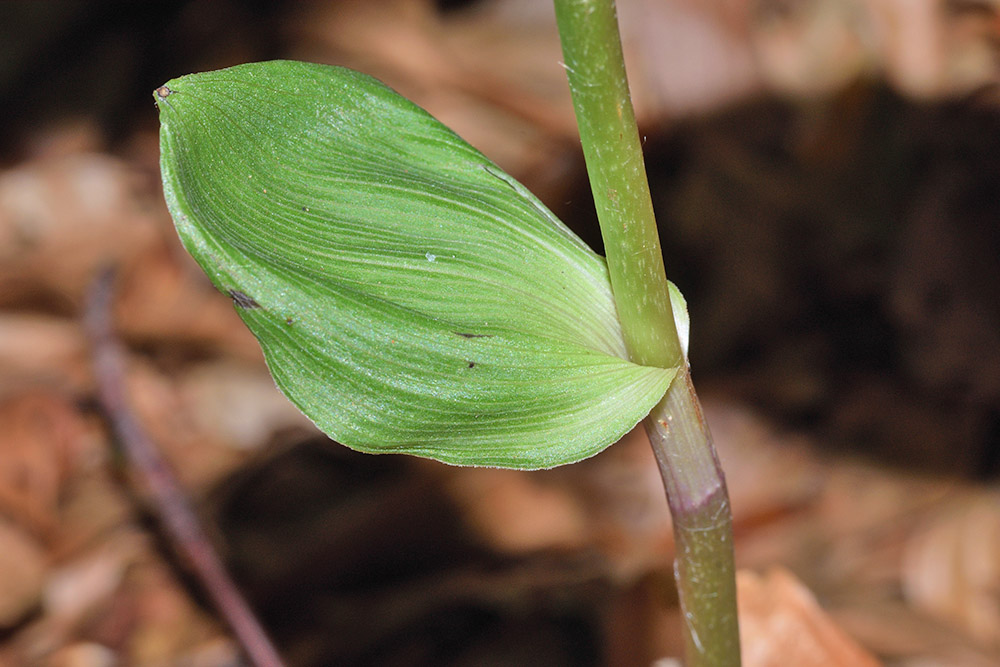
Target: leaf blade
[377,246]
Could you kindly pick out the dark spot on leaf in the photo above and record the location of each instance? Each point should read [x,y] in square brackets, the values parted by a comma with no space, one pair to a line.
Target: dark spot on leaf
[242,300]
[472,364]
[289,321]
[305,209]
[472,335]
[163,92]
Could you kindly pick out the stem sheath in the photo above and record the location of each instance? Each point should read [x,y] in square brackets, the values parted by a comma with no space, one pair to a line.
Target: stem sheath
[703,525]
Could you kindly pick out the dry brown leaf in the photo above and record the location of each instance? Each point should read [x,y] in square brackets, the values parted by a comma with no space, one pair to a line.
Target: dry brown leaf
[905,636]
[23,566]
[197,456]
[492,76]
[83,654]
[684,57]
[237,404]
[925,48]
[516,512]
[622,494]
[951,567]
[936,48]
[166,621]
[207,416]
[62,138]
[492,71]
[162,297]
[76,588]
[613,503]
[752,449]
[43,437]
[810,48]
[781,624]
[63,218]
[42,349]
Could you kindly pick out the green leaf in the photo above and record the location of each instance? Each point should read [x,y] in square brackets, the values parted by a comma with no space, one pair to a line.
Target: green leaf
[409,295]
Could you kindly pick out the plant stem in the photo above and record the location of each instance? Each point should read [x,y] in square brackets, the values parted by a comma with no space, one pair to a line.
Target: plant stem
[695,486]
[703,525]
[596,71]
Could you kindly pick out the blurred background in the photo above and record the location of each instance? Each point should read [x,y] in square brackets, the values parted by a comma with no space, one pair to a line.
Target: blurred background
[826,179]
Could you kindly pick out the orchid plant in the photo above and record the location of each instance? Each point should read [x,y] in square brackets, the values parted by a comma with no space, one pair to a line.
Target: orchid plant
[411,297]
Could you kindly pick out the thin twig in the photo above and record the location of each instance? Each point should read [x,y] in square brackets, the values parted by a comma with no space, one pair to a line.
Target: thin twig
[174,511]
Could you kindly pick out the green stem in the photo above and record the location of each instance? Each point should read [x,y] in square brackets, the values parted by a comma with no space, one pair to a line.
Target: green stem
[596,71]
[696,488]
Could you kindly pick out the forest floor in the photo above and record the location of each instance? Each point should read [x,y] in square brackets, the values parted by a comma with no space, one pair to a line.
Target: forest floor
[832,221]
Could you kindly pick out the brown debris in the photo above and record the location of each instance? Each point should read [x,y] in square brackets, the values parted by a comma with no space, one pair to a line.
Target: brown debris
[42,349]
[23,571]
[951,565]
[44,439]
[781,624]
[56,219]
[784,215]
